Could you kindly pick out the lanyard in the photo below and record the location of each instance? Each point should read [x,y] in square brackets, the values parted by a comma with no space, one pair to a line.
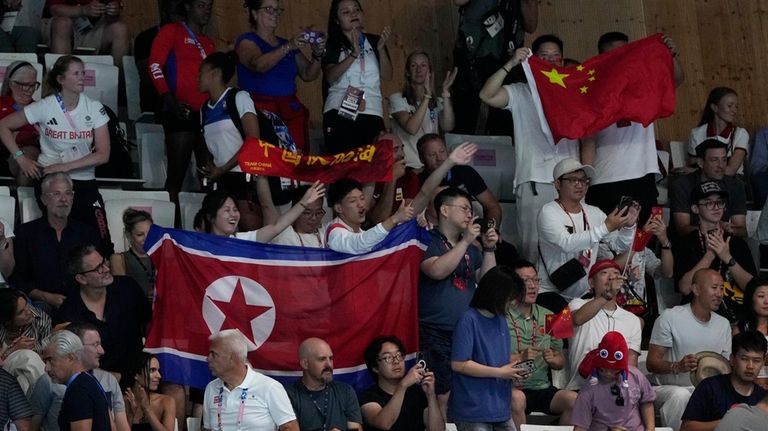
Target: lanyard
[519,338]
[64,110]
[317,235]
[194,39]
[324,411]
[361,41]
[240,410]
[459,282]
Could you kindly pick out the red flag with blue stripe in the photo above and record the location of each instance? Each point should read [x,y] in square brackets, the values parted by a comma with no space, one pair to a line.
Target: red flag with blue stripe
[277,296]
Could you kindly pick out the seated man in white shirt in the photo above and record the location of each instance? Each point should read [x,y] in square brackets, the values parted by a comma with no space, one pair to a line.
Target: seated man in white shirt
[350,205]
[240,397]
[593,318]
[678,334]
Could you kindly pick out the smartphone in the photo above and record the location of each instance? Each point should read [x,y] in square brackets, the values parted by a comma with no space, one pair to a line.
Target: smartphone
[485,224]
[657,212]
[420,361]
[624,203]
[528,366]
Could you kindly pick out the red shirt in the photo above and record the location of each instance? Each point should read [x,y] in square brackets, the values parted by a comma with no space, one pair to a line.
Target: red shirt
[27,135]
[174,61]
[407,187]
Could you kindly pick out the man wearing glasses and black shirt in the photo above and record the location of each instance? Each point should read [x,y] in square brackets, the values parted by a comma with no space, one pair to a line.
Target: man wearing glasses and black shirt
[710,245]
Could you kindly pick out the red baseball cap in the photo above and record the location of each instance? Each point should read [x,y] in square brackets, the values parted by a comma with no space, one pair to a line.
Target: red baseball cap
[603,264]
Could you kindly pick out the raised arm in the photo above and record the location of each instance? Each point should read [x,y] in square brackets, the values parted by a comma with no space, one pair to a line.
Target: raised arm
[268,232]
[461,155]
[492,93]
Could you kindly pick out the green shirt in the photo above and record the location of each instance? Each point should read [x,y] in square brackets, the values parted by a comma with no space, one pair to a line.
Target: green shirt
[521,332]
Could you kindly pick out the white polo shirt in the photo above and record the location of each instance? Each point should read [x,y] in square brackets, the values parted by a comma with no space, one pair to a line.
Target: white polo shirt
[265,404]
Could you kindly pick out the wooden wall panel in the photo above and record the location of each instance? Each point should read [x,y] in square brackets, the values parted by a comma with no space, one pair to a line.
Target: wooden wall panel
[721,42]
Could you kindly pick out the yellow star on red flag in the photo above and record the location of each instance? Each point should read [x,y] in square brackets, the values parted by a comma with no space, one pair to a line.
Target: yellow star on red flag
[584,90]
[556,77]
[580,68]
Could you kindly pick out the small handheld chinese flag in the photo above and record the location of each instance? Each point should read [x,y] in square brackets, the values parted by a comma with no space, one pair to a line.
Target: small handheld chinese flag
[642,237]
[560,325]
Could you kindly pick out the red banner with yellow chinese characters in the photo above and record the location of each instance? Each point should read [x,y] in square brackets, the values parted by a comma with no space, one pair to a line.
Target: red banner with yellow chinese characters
[369,163]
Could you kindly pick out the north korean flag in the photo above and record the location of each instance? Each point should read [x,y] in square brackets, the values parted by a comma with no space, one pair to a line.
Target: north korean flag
[277,296]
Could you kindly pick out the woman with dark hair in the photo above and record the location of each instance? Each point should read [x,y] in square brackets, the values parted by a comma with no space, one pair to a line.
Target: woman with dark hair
[22,326]
[269,65]
[481,393]
[717,122]
[353,66]
[19,84]
[178,50]
[755,316]
[73,138]
[221,215]
[417,111]
[223,137]
[135,262]
[145,407]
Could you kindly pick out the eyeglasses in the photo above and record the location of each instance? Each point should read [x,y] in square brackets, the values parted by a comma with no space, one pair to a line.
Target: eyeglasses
[710,205]
[313,214]
[388,358]
[272,10]
[103,265]
[464,208]
[95,345]
[58,194]
[536,280]
[584,181]
[615,390]
[26,86]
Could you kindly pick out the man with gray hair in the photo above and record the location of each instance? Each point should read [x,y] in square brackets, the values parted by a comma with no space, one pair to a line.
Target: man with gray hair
[85,405]
[40,245]
[241,397]
[320,402]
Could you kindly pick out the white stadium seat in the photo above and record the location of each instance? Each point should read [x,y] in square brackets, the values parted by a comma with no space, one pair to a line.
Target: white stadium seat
[162,214]
[50,59]
[8,209]
[494,161]
[29,209]
[190,204]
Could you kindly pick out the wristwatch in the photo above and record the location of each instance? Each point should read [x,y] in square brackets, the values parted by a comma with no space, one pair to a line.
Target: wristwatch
[731,262]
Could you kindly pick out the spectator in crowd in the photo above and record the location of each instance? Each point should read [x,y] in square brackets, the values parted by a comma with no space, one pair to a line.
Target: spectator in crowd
[678,335]
[239,396]
[307,230]
[755,315]
[222,214]
[644,263]
[116,306]
[717,122]
[91,358]
[487,36]
[535,154]
[596,316]
[618,396]
[570,232]
[354,65]
[135,262]
[715,395]
[400,399]
[743,417]
[14,406]
[345,233]
[42,244]
[340,408]
[712,160]
[25,34]
[225,134]
[7,258]
[416,110]
[270,64]
[168,11]
[19,84]
[611,150]
[404,186]
[170,62]
[711,246]
[92,24]
[84,405]
[434,152]
[481,391]
[525,320]
[144,405]
[450,269]
[22,325]
[73,139]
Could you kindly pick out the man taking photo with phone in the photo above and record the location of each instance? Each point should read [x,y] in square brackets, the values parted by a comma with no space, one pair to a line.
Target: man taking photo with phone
[711,246]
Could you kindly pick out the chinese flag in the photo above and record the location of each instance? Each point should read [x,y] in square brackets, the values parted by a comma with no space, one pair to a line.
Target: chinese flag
[642,237]
[560,325]
[630,83]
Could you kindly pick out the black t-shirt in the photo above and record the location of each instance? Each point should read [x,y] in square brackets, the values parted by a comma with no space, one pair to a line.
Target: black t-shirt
[714,396]
[688,251]
[411,416]
[84,399]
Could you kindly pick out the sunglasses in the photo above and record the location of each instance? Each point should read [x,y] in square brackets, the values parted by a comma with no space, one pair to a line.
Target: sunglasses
[615,390]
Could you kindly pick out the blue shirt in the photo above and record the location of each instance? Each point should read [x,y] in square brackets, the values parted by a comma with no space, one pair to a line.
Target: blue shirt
[714,396]
[484,340]
[280,80]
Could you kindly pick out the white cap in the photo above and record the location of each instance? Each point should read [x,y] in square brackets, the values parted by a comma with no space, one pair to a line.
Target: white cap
[566,166]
